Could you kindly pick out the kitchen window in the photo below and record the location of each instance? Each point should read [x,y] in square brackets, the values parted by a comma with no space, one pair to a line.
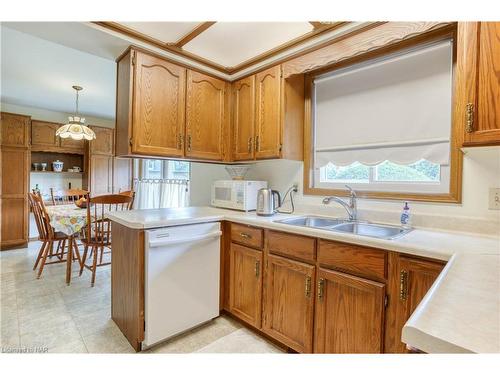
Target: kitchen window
[384,125]
[164,169]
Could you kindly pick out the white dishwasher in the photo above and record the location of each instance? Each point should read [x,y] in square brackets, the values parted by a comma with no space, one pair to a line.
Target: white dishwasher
[182,266]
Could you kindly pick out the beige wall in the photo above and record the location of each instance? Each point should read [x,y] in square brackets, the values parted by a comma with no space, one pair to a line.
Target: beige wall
[46,115]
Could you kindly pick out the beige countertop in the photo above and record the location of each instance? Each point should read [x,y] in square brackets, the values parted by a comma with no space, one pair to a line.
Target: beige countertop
[460,313]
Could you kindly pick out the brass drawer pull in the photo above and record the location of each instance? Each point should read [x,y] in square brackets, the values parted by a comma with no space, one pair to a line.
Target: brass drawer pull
[245,235]
[321,287]
[189,142]
[257,268]
[180,141]
[403,285]
[308,286]
[250,144]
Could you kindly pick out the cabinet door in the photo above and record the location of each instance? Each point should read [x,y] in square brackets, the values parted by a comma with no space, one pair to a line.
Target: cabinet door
[103,143]
[205,116]
[73,145]
[43,134]
[244,118]
[415,277]
[101,174]
[479,62]
[349,314]
[158,116]
[288,302]
[14,130]
[245,285]
[268,113]
[13,194]
[122,175]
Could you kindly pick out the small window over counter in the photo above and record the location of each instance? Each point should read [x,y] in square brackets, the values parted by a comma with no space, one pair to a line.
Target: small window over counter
[384,125]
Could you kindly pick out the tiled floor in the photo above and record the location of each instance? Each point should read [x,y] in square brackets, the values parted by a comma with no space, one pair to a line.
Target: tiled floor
[46,313]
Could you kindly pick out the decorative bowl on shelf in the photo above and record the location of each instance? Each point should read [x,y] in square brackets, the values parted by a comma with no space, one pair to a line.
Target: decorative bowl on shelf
[82,203]
[238,171]
[35,166]
[44,167]
[57,166]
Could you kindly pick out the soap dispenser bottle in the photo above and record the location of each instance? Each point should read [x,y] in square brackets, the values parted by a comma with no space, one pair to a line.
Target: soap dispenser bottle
[406,217]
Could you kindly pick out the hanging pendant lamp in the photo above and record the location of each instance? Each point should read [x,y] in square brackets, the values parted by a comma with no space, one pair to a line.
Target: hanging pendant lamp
[75,128]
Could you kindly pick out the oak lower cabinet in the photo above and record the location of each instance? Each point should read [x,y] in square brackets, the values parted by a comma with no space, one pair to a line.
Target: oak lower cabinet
[101,175]
[206,117]
[349,314]
[245,284]
[14,177]
[478,62]
[288,302]
[410,280]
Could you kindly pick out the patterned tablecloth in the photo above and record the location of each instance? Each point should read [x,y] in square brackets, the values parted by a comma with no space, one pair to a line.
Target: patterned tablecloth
[67,218]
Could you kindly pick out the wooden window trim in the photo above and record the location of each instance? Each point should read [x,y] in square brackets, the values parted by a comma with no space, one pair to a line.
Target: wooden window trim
[457,127]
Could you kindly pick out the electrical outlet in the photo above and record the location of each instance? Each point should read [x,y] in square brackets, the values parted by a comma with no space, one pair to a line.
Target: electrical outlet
[494,199]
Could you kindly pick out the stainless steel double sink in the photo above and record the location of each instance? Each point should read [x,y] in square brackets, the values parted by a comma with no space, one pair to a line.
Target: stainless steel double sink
[361,228]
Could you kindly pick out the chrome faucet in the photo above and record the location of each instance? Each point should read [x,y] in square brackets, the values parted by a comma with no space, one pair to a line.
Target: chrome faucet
[351,207]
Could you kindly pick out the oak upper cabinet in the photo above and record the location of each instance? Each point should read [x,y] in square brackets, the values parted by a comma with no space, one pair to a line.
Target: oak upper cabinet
[411,279]
[268,113]
[245,284]
[288,305]
[275,129]
[14,177]
[349,314]
[158,118]
[243,92]
[478,92]
[206,117]
[150,106]
[104,142]
[43,135]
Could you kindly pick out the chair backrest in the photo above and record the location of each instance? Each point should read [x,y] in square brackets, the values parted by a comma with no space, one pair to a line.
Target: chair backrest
[98,229]
[129,193]
[45,231]
[67,196]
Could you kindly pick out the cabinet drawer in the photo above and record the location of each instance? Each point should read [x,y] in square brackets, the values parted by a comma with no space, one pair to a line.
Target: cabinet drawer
[247,235]
[290,245]
[354,259]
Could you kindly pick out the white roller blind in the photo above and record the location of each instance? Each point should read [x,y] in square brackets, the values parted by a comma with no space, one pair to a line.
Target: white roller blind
[397,108]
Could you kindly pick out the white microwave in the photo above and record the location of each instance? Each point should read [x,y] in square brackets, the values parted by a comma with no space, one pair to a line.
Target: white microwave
[236,194]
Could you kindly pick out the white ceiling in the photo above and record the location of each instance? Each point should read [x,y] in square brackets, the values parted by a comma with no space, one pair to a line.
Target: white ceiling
[168,32]
[231,43]
[39,73]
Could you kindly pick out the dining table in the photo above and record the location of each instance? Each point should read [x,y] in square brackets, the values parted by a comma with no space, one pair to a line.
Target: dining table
[70,220]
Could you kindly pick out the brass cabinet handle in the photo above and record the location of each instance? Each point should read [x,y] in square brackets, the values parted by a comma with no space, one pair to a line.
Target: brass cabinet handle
[308,286]
[250,144]
[189,142]
[245,235]
[257,268]
[257,143]
[180,141]
[321,287]
[403,285]
[469,118]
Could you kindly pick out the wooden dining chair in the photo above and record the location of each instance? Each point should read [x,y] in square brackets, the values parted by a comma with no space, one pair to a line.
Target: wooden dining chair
[129,193]
[97,234]
[48,236]
[66,196]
